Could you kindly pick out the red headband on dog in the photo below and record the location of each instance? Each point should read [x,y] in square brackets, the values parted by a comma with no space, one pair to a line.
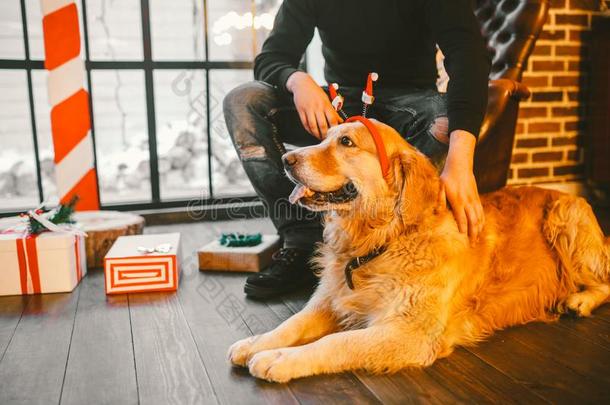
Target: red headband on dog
[381,152]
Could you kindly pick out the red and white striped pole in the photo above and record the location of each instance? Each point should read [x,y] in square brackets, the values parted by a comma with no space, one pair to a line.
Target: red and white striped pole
[70,120]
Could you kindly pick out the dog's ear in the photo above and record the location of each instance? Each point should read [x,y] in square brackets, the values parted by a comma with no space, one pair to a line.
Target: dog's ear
[415,181]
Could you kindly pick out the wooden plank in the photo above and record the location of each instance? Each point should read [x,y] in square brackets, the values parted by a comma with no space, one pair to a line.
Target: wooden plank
[343,388]
[11,309]
[473,381]
[595,329]
[413,386]
[298,300]
[32,370]
[100,367]
[280,308]
[536,370]
[602,313]
[169,369]
[211,309]
[585,358]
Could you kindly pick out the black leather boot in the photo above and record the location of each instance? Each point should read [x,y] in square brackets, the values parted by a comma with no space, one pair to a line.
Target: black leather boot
[290,270]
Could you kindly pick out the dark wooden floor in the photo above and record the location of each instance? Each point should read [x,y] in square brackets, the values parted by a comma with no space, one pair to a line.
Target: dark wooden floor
[85,348]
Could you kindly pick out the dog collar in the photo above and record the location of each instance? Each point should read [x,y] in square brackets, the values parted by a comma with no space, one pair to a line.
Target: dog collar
[356,262]
[381,152]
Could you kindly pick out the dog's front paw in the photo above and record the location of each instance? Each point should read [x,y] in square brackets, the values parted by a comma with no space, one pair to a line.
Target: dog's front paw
[240,352]
[581,304]
[276,365]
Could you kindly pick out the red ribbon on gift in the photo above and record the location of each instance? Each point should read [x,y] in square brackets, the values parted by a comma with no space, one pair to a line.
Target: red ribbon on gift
[79,271]
[27,253]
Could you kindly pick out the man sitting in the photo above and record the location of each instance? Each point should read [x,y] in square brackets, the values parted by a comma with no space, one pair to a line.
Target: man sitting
[395,38]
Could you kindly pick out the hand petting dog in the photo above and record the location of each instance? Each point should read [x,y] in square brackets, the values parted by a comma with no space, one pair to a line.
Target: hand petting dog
[459,187]
[315,110]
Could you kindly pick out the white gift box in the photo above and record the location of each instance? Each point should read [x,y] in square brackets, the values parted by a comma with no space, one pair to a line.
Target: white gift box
[129,268]
[50,262]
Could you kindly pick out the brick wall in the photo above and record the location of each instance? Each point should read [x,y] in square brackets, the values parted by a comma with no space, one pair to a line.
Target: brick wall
[548,146]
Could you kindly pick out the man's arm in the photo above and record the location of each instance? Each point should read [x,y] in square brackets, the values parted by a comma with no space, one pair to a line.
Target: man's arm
[277,64]
[459,187]
[282,51]
[467,62]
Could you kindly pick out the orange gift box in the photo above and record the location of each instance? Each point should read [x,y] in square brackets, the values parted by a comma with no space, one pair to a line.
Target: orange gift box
[143,263]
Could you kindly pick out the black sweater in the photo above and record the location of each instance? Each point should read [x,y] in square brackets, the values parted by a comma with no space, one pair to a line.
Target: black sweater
[395,38]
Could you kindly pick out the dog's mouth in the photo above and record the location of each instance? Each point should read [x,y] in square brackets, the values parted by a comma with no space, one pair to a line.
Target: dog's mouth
[307,196]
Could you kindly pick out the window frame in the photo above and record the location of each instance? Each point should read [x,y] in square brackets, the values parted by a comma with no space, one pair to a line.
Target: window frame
[147,65]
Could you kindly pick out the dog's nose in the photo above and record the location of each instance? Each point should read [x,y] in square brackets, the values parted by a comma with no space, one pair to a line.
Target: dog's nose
[289,159]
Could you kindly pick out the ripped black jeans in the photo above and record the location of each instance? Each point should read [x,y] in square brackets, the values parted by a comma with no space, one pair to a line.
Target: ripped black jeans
[263,122]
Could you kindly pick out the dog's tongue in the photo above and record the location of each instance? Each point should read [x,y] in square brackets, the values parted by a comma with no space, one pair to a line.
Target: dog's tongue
[299,192]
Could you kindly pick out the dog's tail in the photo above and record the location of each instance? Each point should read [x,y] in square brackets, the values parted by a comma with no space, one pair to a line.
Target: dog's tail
[573,231]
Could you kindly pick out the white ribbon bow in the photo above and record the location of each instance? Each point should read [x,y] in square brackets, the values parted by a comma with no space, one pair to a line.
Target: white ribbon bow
[162,248]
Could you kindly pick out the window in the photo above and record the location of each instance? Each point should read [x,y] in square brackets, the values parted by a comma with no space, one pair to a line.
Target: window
[157,72]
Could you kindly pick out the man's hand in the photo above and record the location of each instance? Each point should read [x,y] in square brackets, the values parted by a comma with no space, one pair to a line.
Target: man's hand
[313,105]
[459,186]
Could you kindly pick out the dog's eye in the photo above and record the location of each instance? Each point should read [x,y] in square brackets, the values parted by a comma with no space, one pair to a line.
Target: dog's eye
[345,141]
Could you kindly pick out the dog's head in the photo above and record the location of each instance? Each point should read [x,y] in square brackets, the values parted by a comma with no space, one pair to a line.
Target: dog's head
[343,172]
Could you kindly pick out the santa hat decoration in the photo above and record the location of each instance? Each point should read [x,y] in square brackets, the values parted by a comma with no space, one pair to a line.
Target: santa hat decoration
[367,94]
[335,97]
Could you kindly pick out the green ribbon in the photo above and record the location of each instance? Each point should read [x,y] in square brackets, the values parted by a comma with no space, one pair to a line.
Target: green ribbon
[240,239]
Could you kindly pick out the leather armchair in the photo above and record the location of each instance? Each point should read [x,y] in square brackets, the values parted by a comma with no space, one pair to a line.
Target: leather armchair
[511,28]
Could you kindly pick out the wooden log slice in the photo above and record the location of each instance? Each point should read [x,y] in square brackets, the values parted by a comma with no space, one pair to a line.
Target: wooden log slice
[103,228]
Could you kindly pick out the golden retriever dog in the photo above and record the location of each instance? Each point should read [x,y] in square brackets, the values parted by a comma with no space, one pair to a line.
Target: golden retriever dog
[427,288]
